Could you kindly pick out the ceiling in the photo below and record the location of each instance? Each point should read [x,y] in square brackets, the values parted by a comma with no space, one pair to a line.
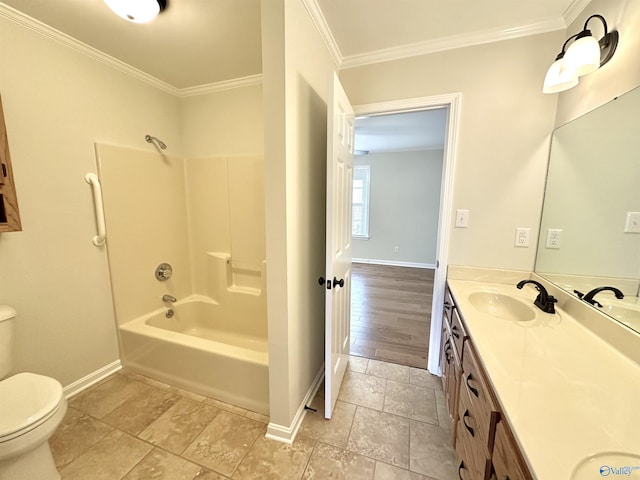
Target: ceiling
[201,42]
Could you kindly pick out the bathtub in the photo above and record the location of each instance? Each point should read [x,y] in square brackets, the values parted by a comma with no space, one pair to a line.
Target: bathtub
[199,350]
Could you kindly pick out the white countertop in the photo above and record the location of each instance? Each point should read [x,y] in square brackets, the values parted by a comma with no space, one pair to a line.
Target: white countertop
[566,393]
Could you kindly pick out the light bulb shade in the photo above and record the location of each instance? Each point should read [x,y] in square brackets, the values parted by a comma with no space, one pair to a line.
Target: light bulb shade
[556,80]
[582,57]
[137,11]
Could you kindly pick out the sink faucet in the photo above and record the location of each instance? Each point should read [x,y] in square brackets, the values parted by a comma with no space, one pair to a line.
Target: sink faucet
[168,298]
[588,297]
[543,301]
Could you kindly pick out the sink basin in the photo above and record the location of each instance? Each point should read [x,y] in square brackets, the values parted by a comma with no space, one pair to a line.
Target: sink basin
[502,306]
[601,465]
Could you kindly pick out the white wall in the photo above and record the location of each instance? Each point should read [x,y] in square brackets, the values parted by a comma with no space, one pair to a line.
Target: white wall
[620,74]
[57,103]
[228,122]
[503,143]
[404,207]
[296,75]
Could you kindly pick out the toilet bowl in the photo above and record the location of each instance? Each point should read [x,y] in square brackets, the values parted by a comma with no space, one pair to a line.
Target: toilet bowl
[32,407]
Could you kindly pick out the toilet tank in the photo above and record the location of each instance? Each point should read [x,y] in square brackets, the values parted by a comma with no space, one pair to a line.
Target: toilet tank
[7,319]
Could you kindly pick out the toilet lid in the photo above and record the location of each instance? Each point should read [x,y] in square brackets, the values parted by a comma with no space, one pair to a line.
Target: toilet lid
[25,399]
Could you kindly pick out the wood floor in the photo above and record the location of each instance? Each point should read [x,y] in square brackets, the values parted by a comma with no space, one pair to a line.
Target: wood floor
[391,313]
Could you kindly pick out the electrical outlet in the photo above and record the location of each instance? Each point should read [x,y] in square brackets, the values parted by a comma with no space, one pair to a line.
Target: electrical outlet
[553,238]
[462,218]
[522,237]
[396,249]
[632,224]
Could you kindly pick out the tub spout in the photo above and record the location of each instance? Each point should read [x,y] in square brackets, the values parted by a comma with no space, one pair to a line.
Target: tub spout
[168,298]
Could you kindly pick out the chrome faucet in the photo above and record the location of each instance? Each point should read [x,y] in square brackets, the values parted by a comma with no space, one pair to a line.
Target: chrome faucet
[588,297]
[168,298]
[543,301]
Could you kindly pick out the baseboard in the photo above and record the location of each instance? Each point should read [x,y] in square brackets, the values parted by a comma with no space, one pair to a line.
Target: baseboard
[287,434]
[392,263]
[91,379]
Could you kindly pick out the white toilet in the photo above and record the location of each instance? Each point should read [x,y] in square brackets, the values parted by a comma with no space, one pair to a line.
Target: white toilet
[31,408]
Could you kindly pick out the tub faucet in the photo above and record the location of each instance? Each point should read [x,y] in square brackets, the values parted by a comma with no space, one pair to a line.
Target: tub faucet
[168,298]
[588,297]
[543,301]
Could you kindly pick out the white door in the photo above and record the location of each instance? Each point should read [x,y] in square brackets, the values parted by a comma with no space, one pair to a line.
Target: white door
[340,125]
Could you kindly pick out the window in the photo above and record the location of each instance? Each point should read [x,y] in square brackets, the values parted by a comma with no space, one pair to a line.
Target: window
[360,216]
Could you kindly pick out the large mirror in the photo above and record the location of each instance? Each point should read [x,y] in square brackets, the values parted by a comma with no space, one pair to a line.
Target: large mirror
[590,228]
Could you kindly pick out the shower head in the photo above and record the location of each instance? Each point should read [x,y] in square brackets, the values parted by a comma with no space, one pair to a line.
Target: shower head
[156,141]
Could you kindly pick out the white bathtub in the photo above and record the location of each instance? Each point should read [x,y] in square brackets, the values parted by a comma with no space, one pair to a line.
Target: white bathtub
[198,349]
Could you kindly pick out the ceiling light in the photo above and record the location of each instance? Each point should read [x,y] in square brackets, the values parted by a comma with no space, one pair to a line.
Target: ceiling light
[585,55]
[137,11]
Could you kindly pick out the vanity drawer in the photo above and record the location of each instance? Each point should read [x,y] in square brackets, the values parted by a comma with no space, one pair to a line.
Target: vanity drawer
[483,406]
[473,458]
[507,461]
[457,332]
[448,307]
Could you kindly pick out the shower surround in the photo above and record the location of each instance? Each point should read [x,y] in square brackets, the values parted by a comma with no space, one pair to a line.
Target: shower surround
[205,217]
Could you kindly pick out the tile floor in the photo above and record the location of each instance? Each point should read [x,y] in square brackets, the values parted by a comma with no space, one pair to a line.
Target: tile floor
[390,422]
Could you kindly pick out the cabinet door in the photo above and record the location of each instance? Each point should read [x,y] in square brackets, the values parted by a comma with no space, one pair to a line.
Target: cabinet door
[508,463]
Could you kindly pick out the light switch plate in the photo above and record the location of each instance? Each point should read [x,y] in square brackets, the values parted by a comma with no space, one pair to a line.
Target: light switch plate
[632,225]
[462,218]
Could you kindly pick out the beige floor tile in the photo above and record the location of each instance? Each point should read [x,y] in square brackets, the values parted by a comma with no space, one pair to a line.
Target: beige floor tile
[334,431]
[332,462]
[75,435]
[431,452]
[424,378]
[411,401]
[398,373]
[357,364]
[389,472]
[111,458]
[258,417]
[162,465]
[226,406]
[364,390]
[137,413]
[380,435]
[102,399]
[176,428]
[224,442]
[443,413]
[271,460]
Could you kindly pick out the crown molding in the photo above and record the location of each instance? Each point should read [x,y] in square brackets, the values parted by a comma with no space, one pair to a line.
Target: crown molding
[325,32]
[220,86]
[574,10]
[453,42]
[45,30]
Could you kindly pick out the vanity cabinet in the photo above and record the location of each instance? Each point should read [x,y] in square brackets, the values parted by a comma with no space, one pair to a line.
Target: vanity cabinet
[483,441]
[451,354]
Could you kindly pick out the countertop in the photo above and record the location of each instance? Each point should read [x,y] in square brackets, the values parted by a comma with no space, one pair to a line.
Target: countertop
[566,393]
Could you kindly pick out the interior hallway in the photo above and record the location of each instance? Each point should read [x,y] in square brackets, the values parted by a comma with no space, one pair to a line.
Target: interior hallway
[390,422]
[391,313]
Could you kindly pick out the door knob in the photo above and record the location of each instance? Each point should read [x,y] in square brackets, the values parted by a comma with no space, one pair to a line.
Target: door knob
[321,280]
[340,282]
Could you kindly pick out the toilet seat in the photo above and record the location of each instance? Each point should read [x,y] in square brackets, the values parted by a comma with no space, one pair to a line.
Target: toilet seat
[30,400]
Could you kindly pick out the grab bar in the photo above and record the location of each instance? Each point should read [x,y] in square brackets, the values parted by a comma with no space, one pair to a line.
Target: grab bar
[92,179]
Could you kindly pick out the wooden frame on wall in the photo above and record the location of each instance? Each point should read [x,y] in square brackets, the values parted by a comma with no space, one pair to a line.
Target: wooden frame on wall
[9,212]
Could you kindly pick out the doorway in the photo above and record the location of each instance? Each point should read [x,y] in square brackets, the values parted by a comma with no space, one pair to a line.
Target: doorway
[376,277]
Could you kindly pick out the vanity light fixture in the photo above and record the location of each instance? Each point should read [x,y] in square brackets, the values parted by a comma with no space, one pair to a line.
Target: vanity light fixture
[585,55]
[137,11]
